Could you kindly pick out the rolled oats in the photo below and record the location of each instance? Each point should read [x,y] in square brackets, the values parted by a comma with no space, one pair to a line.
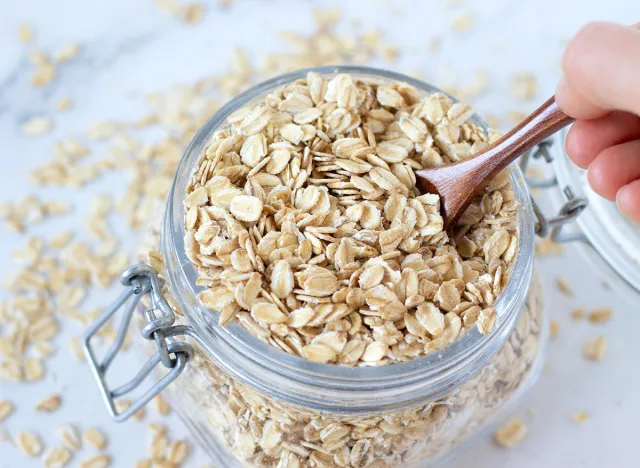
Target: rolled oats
[37,126]
[29,443]
[161,405]
[95,438]
[264,431]
[577,313]
[70,437]
[564,287]
[347,178]
[305,225]
[594,349]
[511,433]
[600,315]
[25,33]
[101,460]
[6,408]
[524,86]
[580,416]
[177,452]
[49,404]
[66,53]
[64,103]
[462,23]
[57,457]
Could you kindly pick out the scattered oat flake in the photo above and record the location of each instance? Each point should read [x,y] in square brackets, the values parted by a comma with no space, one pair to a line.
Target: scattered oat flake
[49,404]
[577,313]
[37,126]
[554,328]
[61,239]
[57,457]
[29,443]
[524,86]
[76,349]
[157,447]
[192,13]
[70,437]
[580,416]
[564,287]
[101,460]
[101,130]
[43,75]
[595,349]
[547,246]
[157,428]
[600,315]
[161,405]
[25,33]
[95,438]
[516,116]
[123,405]
[34,369]
[6,408]
[510,433]
[64,103]
[462,23]
[38,58]
[67,53]
[177,451]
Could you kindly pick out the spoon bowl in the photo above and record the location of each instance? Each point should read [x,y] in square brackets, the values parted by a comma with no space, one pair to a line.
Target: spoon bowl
[459,183]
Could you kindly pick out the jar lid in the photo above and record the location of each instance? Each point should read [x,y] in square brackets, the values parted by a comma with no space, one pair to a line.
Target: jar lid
[612,235]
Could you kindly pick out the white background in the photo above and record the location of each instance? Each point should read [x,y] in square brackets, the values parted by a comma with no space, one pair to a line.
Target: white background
[129,47]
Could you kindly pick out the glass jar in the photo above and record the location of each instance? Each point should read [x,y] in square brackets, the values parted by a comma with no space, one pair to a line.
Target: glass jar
[251,404]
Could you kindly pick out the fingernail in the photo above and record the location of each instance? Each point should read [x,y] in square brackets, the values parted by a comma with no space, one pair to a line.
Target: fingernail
[620,195]
[561,88]
[561,92]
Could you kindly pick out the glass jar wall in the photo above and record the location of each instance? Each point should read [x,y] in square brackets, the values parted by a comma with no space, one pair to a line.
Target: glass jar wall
[251,404]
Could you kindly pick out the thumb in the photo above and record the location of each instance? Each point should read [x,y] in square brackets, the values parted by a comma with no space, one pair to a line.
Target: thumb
[601,71]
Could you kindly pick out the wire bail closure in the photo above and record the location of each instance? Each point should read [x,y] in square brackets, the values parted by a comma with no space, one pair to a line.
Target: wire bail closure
[553,227]
[174,355]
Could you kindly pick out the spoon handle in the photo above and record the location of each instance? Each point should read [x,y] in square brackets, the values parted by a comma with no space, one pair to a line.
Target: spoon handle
[458,183]
[541,124]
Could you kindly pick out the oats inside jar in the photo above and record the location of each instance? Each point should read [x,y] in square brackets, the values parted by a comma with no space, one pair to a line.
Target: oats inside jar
[305,225]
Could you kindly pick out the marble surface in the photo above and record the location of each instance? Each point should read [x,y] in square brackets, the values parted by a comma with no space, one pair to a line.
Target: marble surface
[128,48]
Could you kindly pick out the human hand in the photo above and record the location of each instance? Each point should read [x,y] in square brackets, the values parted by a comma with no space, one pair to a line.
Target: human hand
[601,90]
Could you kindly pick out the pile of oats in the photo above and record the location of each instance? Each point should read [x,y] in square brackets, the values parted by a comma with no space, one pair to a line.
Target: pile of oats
[51,276]
[305,225]
[263,431]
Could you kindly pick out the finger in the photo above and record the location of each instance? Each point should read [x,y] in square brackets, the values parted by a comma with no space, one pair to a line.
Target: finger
[614,168]
[602,69]
[574,103]
[628,200]
[588,138]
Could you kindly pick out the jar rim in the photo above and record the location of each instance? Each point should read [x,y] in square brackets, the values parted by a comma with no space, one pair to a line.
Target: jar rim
[614,239]
[233,347]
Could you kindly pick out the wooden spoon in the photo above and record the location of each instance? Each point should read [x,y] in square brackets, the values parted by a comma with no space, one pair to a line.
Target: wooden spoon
[459,183]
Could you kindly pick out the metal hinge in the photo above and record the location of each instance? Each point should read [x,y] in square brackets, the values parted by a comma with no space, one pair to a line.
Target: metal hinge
[554,227]
[174,355]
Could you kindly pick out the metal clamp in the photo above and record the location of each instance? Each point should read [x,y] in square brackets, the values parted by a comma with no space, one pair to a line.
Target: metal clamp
[553,227]
[174,355]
